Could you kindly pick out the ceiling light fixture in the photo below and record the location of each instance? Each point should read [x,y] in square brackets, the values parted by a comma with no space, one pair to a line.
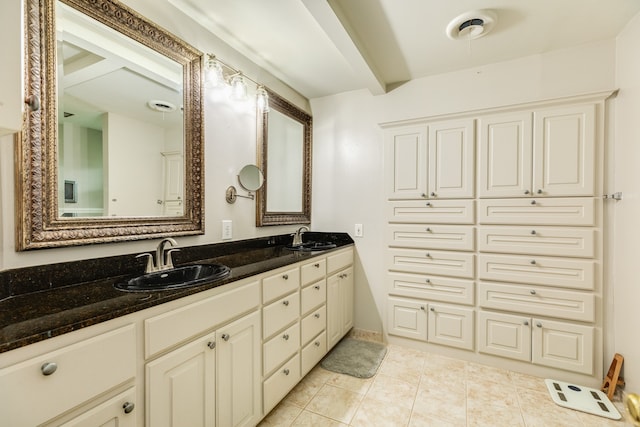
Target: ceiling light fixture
[215,76]
[472,25]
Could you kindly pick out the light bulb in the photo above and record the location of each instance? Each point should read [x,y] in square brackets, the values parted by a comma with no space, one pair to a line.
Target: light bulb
[214,75]
[238,88]
[262,99]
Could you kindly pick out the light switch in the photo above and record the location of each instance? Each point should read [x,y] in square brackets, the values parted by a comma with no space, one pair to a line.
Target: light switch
[358,230]
[227,229]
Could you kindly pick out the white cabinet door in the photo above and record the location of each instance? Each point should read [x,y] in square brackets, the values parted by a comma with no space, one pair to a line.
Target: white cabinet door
[449,325]
[238,372]
[407,318]
[504,335]
[118,411]
[451,159]
[564,151]
[563,345]
[406,162]
[505,161]
[180,386]
[340,299]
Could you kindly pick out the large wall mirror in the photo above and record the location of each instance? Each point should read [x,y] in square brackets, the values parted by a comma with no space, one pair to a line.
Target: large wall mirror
[111,148]
[284,155]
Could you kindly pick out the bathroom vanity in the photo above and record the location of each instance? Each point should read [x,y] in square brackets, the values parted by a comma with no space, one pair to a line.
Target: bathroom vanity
[218,354]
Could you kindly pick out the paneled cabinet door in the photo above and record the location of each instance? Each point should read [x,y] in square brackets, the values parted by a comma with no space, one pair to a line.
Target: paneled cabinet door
[449,325]
[451,159]
[564,151]
[505,161]
[340,298]
[180,386]
[406,162]
[505,335]
[407,318]
[238,372]
[563,345]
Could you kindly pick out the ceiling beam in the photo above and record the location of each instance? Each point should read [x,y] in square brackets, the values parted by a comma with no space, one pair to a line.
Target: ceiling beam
[335,30]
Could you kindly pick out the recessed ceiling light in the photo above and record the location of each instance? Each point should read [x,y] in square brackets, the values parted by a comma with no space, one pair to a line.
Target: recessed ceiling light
[472,25]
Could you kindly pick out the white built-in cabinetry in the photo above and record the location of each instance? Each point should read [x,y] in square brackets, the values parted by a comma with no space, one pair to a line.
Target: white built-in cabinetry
[494,234]
[224,357]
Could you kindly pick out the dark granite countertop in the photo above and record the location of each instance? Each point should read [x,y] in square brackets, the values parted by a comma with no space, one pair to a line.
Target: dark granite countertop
[42,302]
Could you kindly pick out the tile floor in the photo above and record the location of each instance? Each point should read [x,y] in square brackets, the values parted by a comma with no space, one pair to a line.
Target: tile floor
[414,388]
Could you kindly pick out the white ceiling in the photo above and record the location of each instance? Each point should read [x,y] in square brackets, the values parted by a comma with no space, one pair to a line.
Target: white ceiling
[321,47]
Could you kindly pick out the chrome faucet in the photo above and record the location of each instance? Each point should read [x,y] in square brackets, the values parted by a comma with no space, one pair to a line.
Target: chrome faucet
[297,236]
[163,256]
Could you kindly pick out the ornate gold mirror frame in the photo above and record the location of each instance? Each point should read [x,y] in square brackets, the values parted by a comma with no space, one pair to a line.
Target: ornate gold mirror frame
[301,214]
[38,224]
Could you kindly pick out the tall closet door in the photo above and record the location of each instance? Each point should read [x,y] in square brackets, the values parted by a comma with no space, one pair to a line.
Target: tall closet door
[406,157]
[451,155]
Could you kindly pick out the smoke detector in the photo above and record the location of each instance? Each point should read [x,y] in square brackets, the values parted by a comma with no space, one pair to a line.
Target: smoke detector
[472,25]
[161,106]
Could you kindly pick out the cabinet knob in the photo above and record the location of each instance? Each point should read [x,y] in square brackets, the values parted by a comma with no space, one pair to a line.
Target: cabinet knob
[225,337]
[128,407]
[432,309]
[49,368]
[428,229]
[285,276]
[316,287]
[286,371]
[422,307]
[423,195]
[533,262]
[33,101]
[533,202]
[428,280]
[211,344]
[539,325]
[433,194]
[285,337]
[526,323]
[532,291]
[285,302]
[428,255]
[539,191]
[526,192]
[316,265]
[428,204]
[317,343]
[533,232]
[317,315]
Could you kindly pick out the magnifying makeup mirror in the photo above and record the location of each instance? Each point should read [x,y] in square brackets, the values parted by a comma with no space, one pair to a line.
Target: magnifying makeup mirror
[251,179]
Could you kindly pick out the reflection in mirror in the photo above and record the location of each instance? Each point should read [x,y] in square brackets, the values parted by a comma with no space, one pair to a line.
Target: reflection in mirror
[250,178]
[95,164]
[284,151]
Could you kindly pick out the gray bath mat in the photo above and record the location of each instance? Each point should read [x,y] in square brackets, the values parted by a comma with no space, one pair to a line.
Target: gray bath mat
[357,358]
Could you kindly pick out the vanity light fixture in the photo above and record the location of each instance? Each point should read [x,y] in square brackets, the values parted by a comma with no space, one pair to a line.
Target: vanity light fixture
[215,77]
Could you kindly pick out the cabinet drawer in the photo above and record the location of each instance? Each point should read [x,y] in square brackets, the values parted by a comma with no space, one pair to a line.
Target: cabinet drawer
[432,211]
[281,382]
[168,329]
[577,274]
[451,326]
[563,345]
[448,237]
[280,313]
[539,211]
[313,271]
[429,287]
[314,323]
[505,335]
[553,241]
[313,296]
[339,260]
[280,284]
[313,352]
[538,300]
[457,264]
[84,370]
[280,348]
[110,411]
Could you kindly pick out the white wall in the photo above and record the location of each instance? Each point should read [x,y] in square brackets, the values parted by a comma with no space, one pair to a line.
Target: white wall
[348,143]
[626,248]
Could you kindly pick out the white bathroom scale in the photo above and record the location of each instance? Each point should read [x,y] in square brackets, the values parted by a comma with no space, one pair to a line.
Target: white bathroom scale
[581,398]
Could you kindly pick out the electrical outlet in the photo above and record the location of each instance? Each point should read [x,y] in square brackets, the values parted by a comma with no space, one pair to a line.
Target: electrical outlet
[227,229]
[358,230]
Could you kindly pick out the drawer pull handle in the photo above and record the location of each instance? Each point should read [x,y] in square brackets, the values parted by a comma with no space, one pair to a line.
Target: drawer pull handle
[317,315]
[285,302]
[428,204]
[539,191]
[316,265]
[533,232]
[533,262]
[225,337]
[211,344]
[317,343]
[285,276]
[433,194]
[316,287]
[526,191]
[532,292]
[539,325]
[286,372]
[285,337]
[128,407]
[533,202]
[526,323]
[49,368]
